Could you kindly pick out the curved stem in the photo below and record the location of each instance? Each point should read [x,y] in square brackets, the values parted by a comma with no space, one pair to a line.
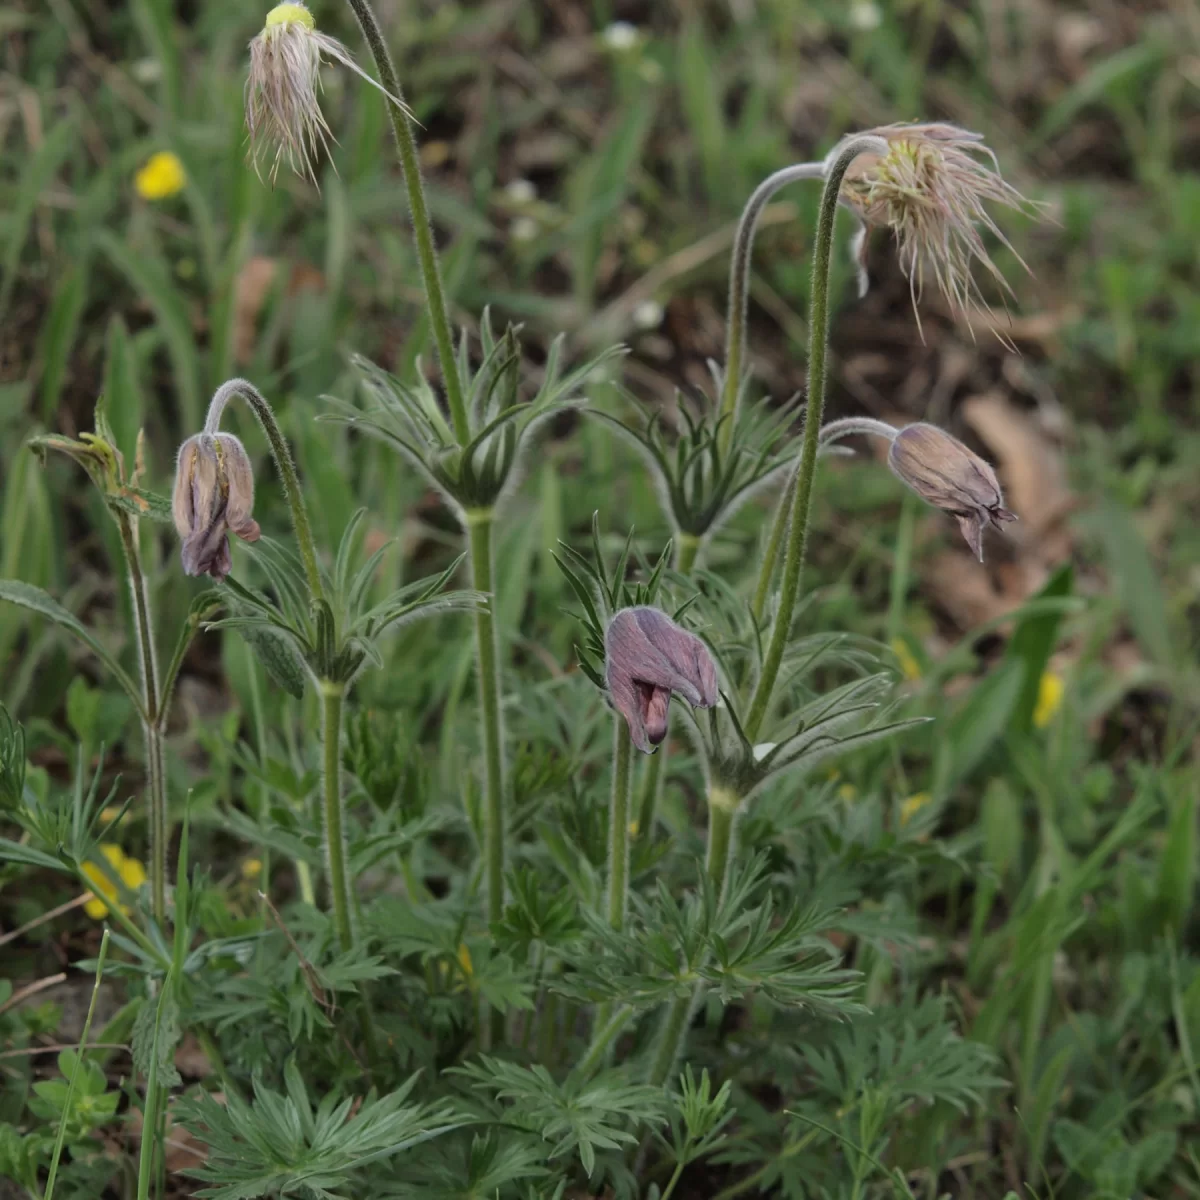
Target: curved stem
[284,464]
[830,433]
[802,489]
[618,824]
[739,284]
[332,695]
[834,431]
[723,806]
[479,537]
[152,724]
[422,230]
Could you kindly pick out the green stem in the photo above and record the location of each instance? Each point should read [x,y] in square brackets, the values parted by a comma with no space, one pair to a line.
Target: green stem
[802,487]
[739,285]
[652,778]
[606,1032]
[422,229]
[722,810]
[284,464]
[332,695]
[83,1041]
[479,537]
[152,725]
[618,824]
[766,571]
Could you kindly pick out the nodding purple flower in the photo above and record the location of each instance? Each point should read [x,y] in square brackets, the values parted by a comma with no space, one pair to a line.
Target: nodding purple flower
[944,473]
[214,494]
[647,657]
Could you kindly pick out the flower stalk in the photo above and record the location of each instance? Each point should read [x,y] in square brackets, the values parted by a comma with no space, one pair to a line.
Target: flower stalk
[739,285]
[723,805]
[422,229]
[154,715]
[800,499]
[618,825]
[332,697]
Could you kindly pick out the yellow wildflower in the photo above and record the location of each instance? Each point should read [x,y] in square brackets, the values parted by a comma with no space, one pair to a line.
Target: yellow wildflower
[1049,699]
[131,873]
[252,868]
[907,660]
[848,793]
[464,960]
[109,815]
[633,828]
[161,176]
[913,805]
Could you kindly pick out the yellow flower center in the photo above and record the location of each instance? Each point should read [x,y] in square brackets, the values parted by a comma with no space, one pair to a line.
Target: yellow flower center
[161,176]
[288,14]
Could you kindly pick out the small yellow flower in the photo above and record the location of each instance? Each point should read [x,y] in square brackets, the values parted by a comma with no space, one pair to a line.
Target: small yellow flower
[1049,700]
[633,828]
[907,660]
[161,176]
[252,868]
[464,960]
[131,873]
[109,815]
[848,793]
[913,805]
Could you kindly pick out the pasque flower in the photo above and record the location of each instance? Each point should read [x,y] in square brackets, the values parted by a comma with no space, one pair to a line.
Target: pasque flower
[214,495]
[946,474]
[647,657]
[283,112]
[931,190]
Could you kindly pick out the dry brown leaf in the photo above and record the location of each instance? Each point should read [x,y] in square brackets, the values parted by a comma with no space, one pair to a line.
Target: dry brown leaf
[253,286]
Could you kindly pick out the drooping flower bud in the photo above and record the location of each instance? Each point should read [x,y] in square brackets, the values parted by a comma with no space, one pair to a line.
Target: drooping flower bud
[946,474]
[214,495]
[647,657]
[930,190]
[283,114]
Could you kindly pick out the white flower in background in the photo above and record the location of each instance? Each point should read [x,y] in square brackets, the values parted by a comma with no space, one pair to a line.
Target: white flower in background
[520,191]
[648,315]
[621,36]
[524,229]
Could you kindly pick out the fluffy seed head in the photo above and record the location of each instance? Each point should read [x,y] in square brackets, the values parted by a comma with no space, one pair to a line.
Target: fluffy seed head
[214,496]
[283,110]
[946,474]
[931,190]
[647,657]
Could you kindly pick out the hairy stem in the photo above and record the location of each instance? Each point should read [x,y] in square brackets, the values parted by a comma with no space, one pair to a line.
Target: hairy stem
[606,1032]
[800,501]
[152,731]
[332,696]
[618,824]
[284,464]
[479,537]
[422,229]
[739,284]
[833,432]
[722,810]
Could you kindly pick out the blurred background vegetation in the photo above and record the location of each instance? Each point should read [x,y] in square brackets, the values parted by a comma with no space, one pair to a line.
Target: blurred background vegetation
[587,161]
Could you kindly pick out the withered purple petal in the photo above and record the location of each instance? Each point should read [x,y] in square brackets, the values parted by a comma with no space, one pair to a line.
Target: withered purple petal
[950,476]
[648,657]
[213,497]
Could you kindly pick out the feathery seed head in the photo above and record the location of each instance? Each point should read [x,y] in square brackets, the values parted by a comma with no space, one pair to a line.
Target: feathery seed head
[931,189]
